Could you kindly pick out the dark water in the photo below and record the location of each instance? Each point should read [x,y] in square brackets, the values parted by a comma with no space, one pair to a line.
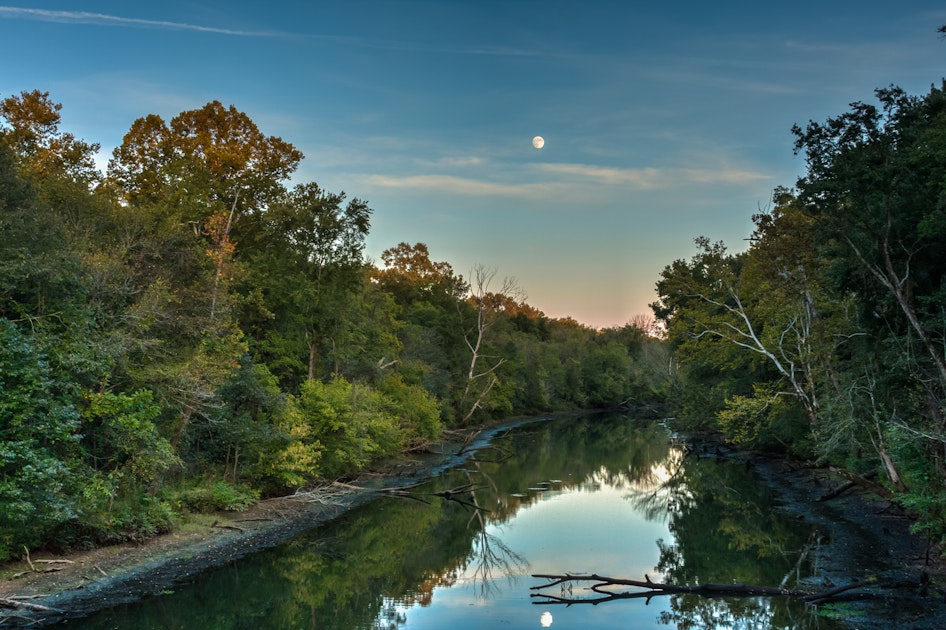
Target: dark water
[602,494]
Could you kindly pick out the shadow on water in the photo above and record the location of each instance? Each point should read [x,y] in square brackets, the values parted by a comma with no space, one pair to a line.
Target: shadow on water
[459,538]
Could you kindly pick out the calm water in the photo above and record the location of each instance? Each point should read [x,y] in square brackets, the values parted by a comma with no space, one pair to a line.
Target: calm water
[601,494]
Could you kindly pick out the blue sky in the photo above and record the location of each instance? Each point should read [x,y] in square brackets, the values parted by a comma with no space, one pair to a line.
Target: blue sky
[661,123]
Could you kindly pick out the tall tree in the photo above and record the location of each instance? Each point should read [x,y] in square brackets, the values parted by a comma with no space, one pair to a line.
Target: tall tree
[217,152]
[308,259]
[205,171]
[876,190]
[30,125]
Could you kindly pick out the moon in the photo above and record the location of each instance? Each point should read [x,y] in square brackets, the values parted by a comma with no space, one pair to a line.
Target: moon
[538,142]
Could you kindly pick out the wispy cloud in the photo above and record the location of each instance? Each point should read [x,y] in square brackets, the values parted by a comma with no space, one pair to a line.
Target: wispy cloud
[456,185]
[565,177]
[102,19]
[650,178]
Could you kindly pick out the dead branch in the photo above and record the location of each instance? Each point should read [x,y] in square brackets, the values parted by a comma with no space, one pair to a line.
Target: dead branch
[216,525]
[865,483]
[649,588]
[28,561]
[836,492]
[16,603]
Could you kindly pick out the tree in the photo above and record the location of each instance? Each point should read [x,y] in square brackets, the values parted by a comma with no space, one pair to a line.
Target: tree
[30,127]
[204,172]
[428,294]
[215,151]
[307,258]
[875,184]
[875,189]
[759,313]
[40,457]
[480,378]
[410,275]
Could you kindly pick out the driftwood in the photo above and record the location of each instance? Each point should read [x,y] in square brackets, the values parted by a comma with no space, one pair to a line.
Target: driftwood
[865,483]
[649,588]
[827,496]
[450,494]
[218,525]
[19,603]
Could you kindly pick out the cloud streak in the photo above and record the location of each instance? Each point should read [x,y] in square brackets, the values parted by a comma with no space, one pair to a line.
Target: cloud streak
[650,178]
[566,177]
[102,19]
[456,185]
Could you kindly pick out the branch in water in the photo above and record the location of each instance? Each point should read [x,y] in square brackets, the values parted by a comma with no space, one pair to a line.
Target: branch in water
[650,589]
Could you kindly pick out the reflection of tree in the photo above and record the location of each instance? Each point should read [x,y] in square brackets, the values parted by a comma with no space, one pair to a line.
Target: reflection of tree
[657,495]
[725,531]
[491,556]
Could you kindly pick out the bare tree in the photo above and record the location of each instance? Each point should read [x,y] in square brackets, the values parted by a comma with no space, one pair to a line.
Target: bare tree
[481,376]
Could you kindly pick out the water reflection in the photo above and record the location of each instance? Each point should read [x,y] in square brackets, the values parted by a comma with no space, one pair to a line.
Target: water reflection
[579,495]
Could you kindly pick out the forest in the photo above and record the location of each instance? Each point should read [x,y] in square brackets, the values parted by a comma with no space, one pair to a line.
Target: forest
[190,330]
[826,338]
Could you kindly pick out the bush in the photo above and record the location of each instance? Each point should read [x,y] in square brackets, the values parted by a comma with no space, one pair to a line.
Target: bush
[216,496]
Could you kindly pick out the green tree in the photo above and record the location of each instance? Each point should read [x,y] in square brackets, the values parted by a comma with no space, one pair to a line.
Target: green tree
[40,457]
[308,260]
[874,188]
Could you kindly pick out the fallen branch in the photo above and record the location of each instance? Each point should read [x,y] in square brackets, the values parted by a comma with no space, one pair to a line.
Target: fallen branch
[836,492]
[15,603]
[649,588]
[233,527]
[865,483]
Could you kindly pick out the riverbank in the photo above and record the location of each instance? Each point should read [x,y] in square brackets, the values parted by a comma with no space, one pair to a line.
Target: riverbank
[45,589]
[859,537]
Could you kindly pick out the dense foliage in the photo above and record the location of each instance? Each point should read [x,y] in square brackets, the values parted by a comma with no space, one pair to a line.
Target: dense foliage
[187,331]
[826,337]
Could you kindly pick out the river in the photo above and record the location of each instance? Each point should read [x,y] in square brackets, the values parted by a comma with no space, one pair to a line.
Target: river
[605,494]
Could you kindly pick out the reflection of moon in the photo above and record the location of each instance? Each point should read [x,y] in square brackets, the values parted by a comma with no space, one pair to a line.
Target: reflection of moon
[538,142]
[546,618]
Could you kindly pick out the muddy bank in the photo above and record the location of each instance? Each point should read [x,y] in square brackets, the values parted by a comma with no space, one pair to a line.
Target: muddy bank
[857,535]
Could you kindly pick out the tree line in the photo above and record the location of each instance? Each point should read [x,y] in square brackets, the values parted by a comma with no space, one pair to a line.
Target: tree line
[826,338]
[189,331]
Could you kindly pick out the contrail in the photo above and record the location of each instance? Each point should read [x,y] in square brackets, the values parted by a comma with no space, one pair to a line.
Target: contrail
[84,17]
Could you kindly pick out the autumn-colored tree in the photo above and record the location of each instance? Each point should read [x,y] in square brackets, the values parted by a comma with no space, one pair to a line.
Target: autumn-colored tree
[30,127]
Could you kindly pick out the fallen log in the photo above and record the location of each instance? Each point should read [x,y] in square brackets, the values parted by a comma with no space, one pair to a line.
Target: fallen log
[648,588]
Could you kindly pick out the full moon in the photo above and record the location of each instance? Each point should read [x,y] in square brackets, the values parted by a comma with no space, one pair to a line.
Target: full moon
[538,142]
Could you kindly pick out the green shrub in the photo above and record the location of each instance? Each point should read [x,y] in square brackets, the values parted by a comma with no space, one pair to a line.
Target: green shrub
[216,496]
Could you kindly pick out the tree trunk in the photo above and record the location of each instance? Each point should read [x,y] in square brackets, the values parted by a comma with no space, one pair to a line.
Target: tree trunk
[313,354]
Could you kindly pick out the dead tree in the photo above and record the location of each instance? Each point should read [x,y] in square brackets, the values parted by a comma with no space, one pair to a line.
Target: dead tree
[482,378]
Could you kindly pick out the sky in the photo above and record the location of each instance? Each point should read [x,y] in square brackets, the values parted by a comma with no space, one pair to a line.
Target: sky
[662,121]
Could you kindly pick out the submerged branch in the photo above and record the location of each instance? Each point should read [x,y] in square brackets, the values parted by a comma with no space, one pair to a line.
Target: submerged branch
[650,589]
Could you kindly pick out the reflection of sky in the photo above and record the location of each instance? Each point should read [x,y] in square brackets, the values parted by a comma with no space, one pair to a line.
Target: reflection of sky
[577,531]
